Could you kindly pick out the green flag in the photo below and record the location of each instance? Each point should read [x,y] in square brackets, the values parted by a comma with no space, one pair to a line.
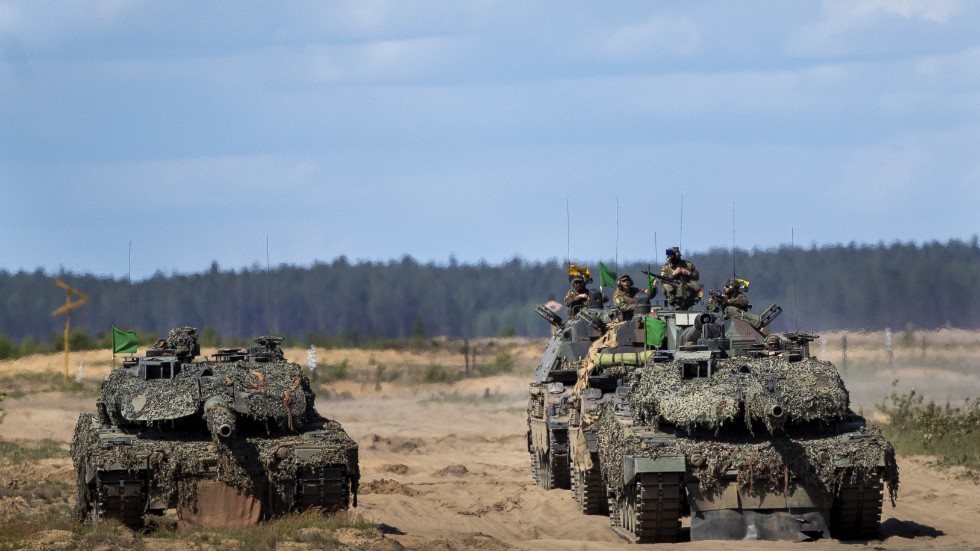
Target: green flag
[651,282]
[653,331]
[606,277]
[123,341]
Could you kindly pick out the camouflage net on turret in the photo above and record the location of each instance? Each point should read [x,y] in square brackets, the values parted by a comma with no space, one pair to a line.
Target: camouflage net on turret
[805,391]
[774,465]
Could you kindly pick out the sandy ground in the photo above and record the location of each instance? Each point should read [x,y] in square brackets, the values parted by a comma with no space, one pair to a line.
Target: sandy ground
[446,467]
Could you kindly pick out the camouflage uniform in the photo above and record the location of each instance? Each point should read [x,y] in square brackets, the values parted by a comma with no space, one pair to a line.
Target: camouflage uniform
[683,296]
[736,304]
[625,299]
[572,299]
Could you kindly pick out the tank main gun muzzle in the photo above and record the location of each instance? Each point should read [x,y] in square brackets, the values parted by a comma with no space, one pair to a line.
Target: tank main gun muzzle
[220,418]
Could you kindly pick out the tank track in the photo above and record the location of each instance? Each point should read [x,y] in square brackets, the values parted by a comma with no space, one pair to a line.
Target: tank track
[651,510]
[588,489]
[550,469]
[120,495]
[558,457]
[325,487]
[856,513]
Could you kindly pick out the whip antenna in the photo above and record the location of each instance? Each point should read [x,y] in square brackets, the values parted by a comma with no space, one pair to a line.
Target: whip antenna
[130,278]
[796,301]
[568,235]
[617,233]
[268,273]
[680,238]
[734,272]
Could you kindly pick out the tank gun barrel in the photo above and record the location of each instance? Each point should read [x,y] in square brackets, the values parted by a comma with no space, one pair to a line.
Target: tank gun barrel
[220,418]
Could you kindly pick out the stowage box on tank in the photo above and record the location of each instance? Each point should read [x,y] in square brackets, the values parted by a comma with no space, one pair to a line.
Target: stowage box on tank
[228,440]
[746,433]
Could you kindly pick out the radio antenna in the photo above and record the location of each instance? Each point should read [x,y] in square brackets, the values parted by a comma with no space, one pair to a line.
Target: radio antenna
[568,235]
[680,238]
[617,233]
[268,273]
[796,301]
[130,279]
[734,271]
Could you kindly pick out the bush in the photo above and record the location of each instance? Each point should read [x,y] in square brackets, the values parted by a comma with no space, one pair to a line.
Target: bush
[435,373]
[503,362]
[951,433]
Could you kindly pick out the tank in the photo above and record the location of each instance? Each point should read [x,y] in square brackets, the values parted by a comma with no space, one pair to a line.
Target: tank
[746,433]
[619,348]
[549,406]
[227,440]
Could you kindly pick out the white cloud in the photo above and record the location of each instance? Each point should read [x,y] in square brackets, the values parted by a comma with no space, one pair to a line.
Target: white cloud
[846,26]
[659,36]
[388,60]
[936,11]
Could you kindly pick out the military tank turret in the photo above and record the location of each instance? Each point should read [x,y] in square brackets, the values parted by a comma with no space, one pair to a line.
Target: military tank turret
[747,433]
[227,440]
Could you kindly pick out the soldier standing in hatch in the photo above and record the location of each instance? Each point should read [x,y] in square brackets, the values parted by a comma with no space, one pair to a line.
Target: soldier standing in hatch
[735,304]
[577,297]
[684,294]
[624,299]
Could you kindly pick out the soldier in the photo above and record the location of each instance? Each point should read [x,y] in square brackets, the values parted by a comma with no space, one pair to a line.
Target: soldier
[734,303]
[685,292]
[624,299]
[577,297]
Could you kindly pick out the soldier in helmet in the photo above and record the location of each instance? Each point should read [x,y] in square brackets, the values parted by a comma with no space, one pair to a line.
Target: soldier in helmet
[685,293]
[624,299]
[735,304]
[578,296]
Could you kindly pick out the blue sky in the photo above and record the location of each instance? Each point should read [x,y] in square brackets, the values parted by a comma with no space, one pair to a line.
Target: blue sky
[375,129]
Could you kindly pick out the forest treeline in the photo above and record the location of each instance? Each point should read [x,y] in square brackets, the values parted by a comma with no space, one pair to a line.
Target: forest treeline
[832,287]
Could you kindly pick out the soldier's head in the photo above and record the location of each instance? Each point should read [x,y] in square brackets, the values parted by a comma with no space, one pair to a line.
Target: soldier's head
[674,255]
[625,282]
[731,286]
[578,282]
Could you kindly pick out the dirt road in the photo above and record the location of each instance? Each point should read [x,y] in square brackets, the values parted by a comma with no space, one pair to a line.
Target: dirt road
[446,466]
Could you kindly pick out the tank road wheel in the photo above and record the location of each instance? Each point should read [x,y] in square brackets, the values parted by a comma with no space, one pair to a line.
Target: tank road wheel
[324,487]
[588,490]
[651,509]
[856,513]
[120,495]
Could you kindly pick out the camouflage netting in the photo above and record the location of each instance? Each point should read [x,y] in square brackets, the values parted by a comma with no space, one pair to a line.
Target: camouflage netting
[763,465]
[805,391]
[244,464]
[271,386]
[269,407]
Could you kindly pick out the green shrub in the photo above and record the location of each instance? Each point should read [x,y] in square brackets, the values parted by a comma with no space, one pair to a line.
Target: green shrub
[916,427]
[503,362]
[435,373]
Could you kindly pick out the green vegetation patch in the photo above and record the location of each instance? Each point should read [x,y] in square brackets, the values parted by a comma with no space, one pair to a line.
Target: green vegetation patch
[24,384]
[503,362]
[11,452]
[919,428]
[487,397]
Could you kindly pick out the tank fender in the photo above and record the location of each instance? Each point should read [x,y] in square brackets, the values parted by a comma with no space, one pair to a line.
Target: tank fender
[633,466]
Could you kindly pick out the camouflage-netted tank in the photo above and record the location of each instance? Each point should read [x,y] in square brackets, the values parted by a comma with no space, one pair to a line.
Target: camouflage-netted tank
[747,433]
[228,440]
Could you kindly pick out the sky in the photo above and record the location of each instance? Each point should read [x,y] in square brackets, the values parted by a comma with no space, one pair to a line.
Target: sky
[141,137]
